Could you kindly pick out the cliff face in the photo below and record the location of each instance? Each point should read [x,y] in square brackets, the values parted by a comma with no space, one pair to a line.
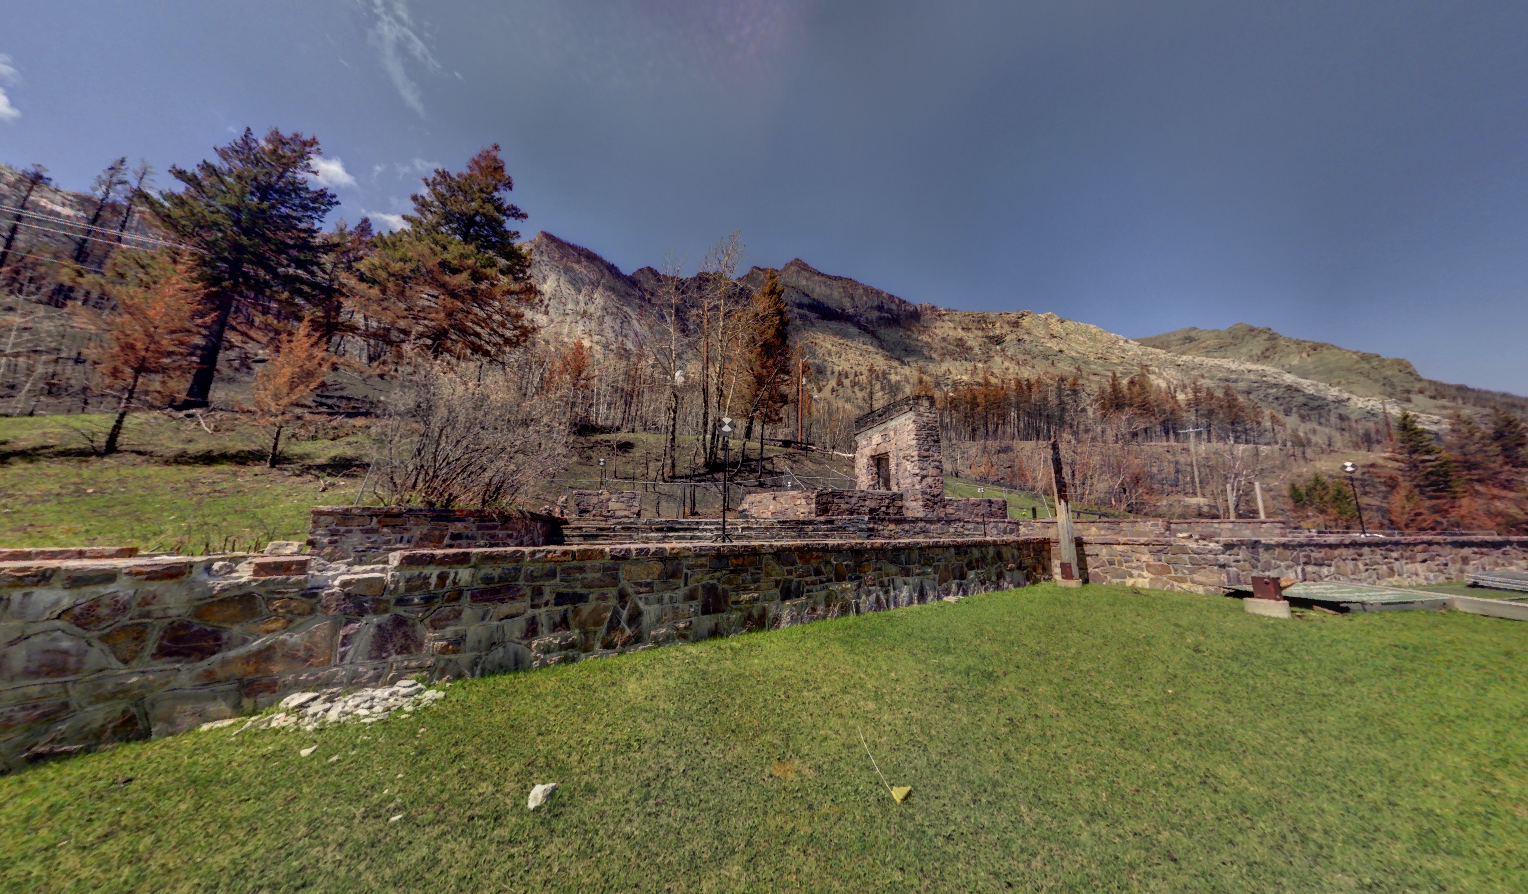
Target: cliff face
[848,326]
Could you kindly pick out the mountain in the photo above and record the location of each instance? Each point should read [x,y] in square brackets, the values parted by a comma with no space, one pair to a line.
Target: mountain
[848,327]
[1358,372]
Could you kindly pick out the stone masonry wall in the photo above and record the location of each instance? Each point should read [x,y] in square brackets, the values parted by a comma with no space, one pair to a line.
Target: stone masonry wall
[873,503]
[1211,566]
[602,504]
[821,504]
[907,433]
[975,508]
[368,533]
[96,651]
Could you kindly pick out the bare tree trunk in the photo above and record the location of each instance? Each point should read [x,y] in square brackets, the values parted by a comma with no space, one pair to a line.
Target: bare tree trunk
[270,461]
[122,411]
[200,389]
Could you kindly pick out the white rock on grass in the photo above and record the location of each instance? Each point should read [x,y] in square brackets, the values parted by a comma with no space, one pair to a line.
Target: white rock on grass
[218,724]
[310,710]
[540,795]
[297,700]
[309,750]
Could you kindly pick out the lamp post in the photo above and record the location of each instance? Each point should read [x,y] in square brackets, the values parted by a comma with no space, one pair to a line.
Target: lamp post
[1352,473]
[602,473]
[726,444]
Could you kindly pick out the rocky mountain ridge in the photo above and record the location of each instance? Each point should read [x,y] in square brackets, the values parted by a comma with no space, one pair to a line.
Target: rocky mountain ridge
[849,326]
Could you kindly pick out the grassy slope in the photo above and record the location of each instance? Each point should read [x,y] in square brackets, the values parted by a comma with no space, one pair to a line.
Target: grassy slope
[1169,743]
[174,487]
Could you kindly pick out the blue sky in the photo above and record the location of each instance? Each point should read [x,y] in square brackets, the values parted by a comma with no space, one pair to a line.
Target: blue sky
[1350,172]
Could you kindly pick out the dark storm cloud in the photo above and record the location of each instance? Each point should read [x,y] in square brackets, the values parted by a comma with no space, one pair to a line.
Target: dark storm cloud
[1350,172]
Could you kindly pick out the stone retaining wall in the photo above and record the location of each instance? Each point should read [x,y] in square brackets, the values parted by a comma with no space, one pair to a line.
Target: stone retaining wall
[368,533]
[616,505]
[96,651]
[1211,566]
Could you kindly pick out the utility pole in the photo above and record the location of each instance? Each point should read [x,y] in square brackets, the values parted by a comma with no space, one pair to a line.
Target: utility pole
[1066,539]
[1193,456]
[800,408]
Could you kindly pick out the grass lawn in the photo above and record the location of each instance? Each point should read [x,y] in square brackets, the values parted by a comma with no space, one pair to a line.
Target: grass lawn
[174,487]
[1063,740]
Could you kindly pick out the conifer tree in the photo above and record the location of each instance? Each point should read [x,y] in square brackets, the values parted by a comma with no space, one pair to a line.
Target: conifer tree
[150,331]
[454,283]
[1424,465]
[252,220]
[299,362]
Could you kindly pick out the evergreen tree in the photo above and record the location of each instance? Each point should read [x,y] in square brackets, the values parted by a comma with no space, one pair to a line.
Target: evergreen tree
[454,283]
[1510,438]
[1424,466]
[252,220]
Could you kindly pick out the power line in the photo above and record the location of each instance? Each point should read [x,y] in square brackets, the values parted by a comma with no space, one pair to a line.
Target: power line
[116,236]
[151,241]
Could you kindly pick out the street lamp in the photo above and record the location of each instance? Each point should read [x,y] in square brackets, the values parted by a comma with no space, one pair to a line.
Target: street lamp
[1352,473]
[726,445]
[602,473]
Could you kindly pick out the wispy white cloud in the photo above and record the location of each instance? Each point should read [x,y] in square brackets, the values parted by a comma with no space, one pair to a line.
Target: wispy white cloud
[390,221]
[331,172]
[415,165]
[393,34]
[9,76]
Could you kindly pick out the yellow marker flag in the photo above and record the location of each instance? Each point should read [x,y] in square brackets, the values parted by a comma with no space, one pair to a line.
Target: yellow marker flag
[901,792]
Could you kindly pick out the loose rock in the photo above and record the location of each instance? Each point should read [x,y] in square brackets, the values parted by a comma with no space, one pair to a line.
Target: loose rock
[309,750]
[540,795]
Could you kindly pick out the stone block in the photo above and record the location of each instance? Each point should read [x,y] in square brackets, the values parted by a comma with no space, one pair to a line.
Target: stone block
[230,611]
[311,647]
[188,642]
[1268,608]
[179,710]
[121,687]
[279,566]
[52,654]
[362,584]
[126,642]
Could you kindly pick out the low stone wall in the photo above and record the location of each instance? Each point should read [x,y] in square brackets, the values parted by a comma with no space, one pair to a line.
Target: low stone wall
[367,534]
[874,503]
[976,508]
[602,504]
[1161,527]
[784,504]
[821,504]
[1211,566]
[95,651]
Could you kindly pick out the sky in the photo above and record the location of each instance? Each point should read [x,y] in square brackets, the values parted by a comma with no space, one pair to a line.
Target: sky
[1351,172]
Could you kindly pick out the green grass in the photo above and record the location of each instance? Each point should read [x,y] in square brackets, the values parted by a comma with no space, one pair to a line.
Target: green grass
[1087,740]
[174,487]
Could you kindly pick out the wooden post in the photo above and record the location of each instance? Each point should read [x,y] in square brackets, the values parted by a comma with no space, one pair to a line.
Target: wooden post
[1066,540]
[1257,487]
[1193,460]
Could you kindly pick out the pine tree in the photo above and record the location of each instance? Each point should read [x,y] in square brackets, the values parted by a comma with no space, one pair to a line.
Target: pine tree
[454,283]
[1424,465]
[252,219]
[299,362]
[150,331]
[1510,439]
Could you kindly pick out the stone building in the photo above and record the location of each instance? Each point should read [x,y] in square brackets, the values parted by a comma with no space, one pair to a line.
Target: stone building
[897,448]
[898,471]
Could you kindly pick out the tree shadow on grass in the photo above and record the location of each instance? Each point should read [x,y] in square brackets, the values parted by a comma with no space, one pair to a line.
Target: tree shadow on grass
[41,453]
[237,457]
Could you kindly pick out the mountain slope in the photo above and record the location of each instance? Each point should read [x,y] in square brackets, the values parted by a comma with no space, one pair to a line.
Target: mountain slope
[1360,372]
